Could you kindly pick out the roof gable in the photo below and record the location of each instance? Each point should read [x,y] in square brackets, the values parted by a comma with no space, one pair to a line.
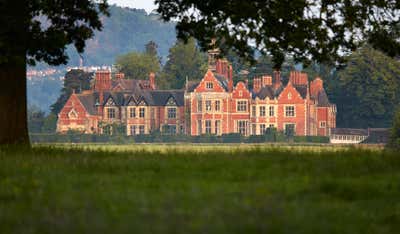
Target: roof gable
[290,94]
[210,83]
[241,91]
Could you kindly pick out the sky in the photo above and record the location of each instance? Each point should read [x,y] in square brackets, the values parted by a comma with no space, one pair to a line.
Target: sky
[148,5]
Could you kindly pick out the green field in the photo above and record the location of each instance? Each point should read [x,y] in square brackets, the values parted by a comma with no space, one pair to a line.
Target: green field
[199,189]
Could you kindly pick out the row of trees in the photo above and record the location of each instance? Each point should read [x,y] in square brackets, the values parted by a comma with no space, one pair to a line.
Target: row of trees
[184,61]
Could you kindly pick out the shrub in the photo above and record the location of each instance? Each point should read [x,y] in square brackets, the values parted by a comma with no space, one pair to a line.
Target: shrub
[394,142]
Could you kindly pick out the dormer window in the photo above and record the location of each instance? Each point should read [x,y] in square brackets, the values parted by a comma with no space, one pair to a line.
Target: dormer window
[209,85]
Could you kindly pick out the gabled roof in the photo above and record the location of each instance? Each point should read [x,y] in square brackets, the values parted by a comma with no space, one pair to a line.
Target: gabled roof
[160,97]
[323,100]
[222,81]
[266,91]
[191,85]
[302,90]
[88,101]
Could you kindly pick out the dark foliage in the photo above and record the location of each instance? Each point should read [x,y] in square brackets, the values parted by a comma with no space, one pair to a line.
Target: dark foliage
[75,81]
[322,31]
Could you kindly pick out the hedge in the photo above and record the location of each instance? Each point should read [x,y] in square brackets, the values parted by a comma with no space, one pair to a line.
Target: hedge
[159,138]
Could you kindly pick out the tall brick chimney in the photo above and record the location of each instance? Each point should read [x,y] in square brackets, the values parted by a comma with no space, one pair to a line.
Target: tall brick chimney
[230,79]
[316,86]
[266,81]
[256,85]
[298,78]
[277,79]
[102,80]
[152,80]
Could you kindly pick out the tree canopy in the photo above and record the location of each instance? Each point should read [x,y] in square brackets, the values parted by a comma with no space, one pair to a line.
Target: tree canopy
[307,30]
[32,31]
[137,65]
[75,80]
[184,61]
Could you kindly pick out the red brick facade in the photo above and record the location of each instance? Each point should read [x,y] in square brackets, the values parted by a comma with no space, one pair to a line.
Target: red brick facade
[212,106]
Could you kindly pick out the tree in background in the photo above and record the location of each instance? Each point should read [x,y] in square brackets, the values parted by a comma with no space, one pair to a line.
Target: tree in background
[25,38]
[306,30]
[35,119]
[138,65]
[75,80]
[50,123]
[394,142]
[366,91]
[184,61]
[151,48]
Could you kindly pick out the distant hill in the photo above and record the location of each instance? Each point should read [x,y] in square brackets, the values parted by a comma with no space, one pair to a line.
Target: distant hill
[124,31]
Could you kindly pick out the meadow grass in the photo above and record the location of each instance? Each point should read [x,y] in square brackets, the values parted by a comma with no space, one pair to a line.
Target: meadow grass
[199,189]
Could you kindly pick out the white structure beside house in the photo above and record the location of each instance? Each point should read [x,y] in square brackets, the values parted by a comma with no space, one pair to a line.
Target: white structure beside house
[348,135]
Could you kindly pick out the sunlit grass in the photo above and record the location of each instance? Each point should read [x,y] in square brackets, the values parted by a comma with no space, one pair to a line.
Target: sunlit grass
[199,189]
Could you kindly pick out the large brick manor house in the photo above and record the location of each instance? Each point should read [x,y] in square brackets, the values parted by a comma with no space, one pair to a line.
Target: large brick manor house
[215,105]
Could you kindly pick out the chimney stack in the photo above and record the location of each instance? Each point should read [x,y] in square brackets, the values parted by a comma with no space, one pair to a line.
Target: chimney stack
[102,80]
[277,79]
[316,86]
[256,85]
[298,78]
[152,80]
[230,79]
[266,81]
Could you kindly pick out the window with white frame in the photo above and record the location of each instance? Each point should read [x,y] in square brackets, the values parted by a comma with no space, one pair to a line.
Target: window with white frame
[271,111]
[171,112]
[217,105]
[209,85]
[132,112]
[290,129]
[141,129]
[111,113]
[262,129]
[208,126]
[262,111]
[208,105]
[133,129]
[199,105]
[217,127]
[290,111]
[242,127]
[241,106]
[322,124]
[141,112]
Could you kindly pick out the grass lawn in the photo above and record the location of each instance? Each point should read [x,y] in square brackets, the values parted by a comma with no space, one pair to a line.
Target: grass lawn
[199,189]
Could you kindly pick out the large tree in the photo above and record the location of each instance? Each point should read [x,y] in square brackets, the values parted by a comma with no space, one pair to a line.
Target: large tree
[184,61]
[37,30]
[367,90]
[319,30]
[136,65]
[75,80]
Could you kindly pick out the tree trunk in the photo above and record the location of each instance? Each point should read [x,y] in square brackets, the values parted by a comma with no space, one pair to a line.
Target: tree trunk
[13,116]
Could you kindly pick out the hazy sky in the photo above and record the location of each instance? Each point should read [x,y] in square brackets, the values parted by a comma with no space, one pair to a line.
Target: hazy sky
[148,5]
